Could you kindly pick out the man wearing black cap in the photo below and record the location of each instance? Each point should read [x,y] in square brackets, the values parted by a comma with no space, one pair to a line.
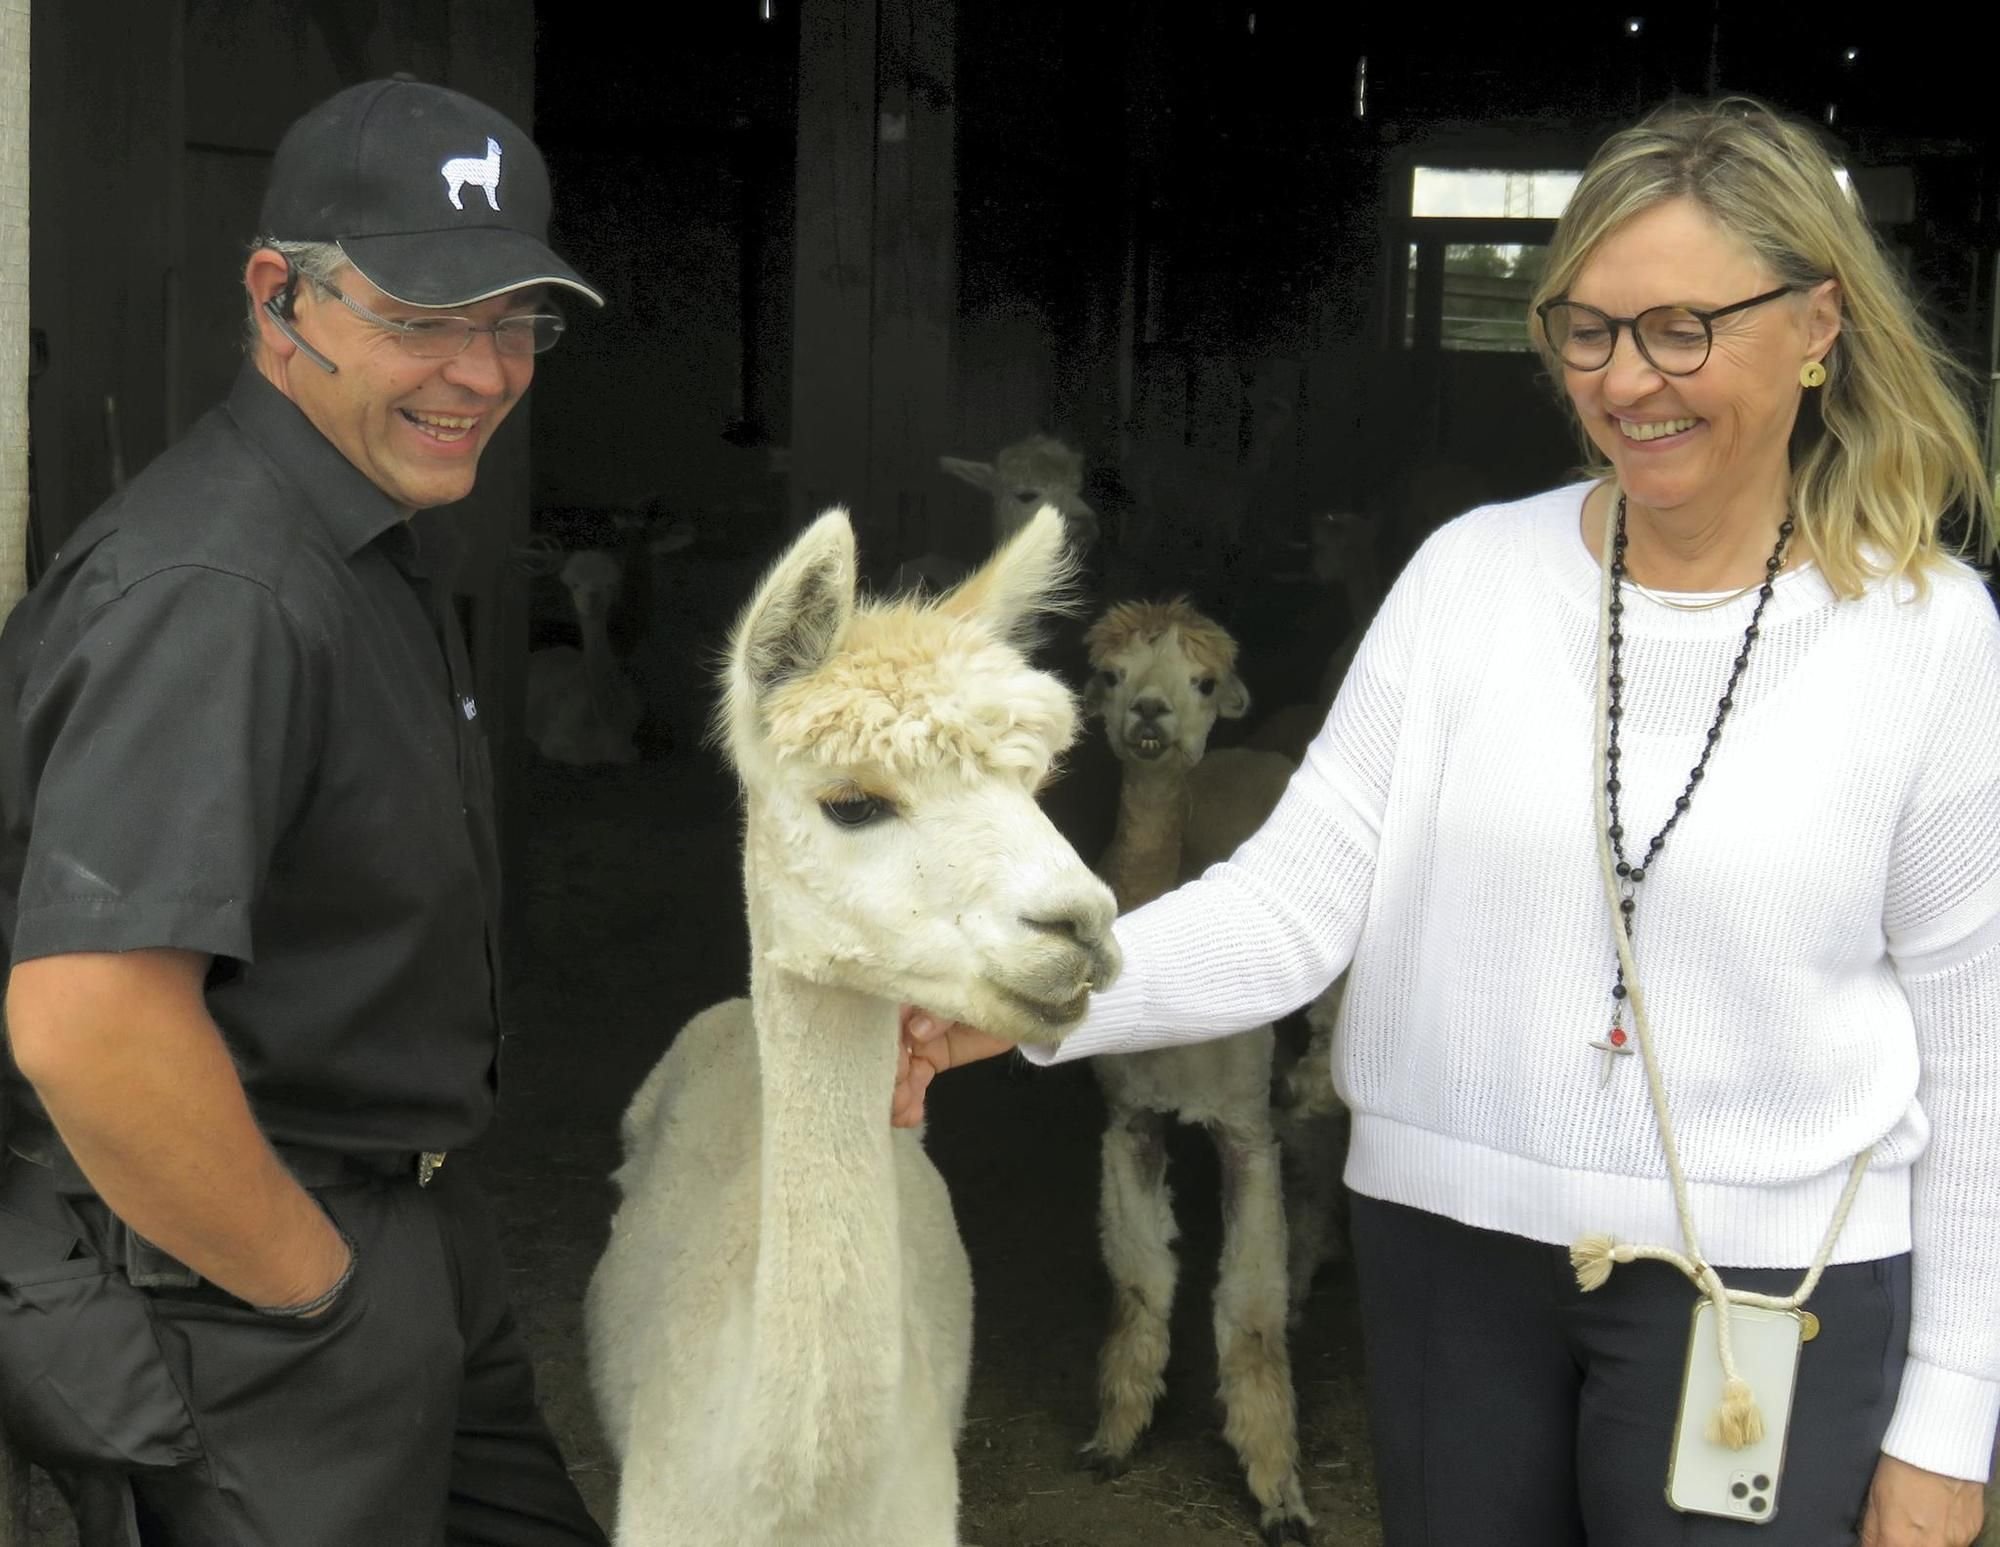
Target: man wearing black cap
[249,1294]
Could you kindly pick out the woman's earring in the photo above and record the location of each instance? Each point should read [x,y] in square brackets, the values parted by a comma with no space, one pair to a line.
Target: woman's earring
[1812,374]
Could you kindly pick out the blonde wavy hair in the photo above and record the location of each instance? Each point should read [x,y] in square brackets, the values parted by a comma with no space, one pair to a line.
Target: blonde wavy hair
[1896,448]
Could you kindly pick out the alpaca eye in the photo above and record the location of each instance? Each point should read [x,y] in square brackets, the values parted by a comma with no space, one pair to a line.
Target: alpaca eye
[1207,686]
[1109,677]
[1027,496]
[854,810]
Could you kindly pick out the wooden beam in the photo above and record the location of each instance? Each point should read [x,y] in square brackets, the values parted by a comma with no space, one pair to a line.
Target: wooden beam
[13,474]
[915,281]
[834,294]
[105,166]
[13,302]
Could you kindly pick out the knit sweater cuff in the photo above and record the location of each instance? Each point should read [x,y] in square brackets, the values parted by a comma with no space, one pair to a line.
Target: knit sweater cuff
[1944,1421]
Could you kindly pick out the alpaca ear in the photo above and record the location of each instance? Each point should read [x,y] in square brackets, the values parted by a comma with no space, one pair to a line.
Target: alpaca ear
[1232,698]
[1029,575]
[799,612]
[980,474]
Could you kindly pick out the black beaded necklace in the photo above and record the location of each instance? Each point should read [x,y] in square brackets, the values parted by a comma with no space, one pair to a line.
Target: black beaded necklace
[1632,875]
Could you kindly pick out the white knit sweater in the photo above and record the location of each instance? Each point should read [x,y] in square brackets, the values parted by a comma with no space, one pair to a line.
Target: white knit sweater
[1819,942]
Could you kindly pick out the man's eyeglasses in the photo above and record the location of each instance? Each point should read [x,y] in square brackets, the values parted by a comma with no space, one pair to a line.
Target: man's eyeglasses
[443,338]
[1675,340]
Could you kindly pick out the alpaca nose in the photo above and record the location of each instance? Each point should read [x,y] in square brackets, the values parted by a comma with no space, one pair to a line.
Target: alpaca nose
[1149,708]
[1082,917]
[1070,926]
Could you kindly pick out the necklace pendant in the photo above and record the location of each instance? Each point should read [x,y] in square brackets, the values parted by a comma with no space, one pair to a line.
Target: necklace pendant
[1615,1043]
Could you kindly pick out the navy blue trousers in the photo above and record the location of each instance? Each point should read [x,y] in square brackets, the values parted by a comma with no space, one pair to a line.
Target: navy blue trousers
[1510,1409]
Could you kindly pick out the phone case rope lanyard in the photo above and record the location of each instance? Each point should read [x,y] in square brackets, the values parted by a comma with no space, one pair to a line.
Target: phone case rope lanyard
[1737,1422]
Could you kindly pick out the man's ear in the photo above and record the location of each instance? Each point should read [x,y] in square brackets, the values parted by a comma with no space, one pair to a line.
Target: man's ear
[267,276]
[269,281]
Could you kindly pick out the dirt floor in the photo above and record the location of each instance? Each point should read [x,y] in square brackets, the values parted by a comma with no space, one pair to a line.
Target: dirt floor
[628,918]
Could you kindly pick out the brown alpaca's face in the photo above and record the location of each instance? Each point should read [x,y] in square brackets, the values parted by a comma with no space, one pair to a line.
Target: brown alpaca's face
[1159,701]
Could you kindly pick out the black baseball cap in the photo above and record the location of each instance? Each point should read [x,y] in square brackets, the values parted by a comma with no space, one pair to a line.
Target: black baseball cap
[436,198]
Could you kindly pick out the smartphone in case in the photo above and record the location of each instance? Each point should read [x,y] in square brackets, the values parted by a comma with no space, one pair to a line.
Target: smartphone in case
[1704,1478]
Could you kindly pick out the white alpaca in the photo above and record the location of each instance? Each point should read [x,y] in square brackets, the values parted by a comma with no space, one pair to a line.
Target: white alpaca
[481,172]
[581,707]
[1036,471]
[1162,675]
[780,1328]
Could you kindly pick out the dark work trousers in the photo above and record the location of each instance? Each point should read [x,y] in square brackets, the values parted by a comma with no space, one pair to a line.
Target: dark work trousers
[1511,1409]
[403,1417]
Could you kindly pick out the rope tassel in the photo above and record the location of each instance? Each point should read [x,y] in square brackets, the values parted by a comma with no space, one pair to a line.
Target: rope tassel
[1738,1422]
[1593,1257]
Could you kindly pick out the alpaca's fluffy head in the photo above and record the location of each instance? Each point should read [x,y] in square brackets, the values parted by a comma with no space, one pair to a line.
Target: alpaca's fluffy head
[1161,675]
[1035,471]
[890,754]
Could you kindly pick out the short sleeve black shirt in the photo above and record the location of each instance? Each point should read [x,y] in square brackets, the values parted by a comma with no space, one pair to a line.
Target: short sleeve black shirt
[236,717]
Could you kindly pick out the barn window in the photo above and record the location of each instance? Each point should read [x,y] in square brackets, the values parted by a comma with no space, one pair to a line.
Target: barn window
[1471,193]
[1474,242]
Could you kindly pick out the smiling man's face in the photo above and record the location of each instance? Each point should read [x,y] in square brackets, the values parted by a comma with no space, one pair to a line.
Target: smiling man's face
[415,427]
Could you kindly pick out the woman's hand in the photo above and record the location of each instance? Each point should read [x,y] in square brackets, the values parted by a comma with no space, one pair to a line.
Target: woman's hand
[930,1046]
[1909,1507]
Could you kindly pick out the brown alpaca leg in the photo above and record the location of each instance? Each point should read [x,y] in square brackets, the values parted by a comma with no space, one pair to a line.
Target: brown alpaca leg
[1255,1365]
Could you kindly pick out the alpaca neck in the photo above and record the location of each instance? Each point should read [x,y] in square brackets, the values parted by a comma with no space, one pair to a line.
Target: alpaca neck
[1144,860]
[826,1306]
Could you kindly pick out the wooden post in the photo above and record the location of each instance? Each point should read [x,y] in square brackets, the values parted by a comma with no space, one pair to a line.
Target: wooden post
[835,280]
[13,470]
[876,289]
[13,302]
[915,287]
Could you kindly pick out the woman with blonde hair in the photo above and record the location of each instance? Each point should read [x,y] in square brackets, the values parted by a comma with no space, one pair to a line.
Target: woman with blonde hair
[1657,827]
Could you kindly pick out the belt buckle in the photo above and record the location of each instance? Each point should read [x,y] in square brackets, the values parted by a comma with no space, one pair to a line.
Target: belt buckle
[427,1166]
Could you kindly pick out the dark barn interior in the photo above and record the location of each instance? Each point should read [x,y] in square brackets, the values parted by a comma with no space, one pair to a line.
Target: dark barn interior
[1261,262]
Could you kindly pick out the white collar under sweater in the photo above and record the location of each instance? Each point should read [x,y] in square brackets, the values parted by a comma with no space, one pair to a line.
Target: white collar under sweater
[1819,941]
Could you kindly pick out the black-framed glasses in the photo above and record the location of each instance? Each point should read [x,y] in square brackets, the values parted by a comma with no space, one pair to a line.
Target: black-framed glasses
[445,338]
[1675,340]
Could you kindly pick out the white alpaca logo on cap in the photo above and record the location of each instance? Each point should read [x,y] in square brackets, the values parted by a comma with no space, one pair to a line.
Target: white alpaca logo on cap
[482,172]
